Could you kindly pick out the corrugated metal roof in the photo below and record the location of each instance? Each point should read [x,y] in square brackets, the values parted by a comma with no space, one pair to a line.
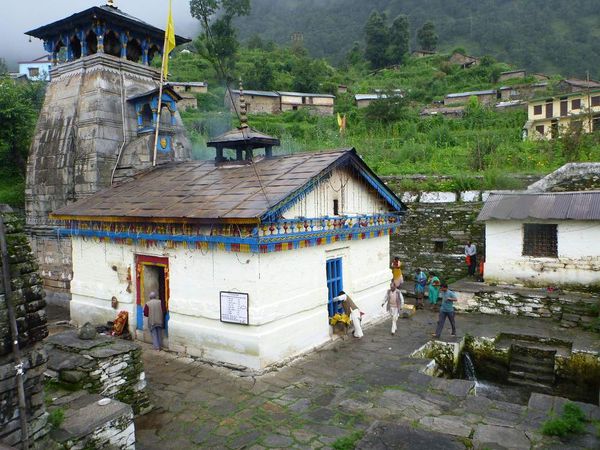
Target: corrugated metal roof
[583,205]
[305,94]
[188,83]
[369,96]
[257,93]
[207,191]
[469,94]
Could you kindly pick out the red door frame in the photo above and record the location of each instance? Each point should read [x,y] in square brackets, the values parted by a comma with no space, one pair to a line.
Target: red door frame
[140,262]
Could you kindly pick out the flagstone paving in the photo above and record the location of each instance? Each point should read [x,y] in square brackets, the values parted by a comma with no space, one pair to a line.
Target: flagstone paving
[369,386]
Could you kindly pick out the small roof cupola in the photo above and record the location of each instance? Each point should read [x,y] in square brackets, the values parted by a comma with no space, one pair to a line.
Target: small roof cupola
[105,30]
[243,139]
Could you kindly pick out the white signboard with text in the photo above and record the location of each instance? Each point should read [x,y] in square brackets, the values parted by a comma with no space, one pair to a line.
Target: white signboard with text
[234,307]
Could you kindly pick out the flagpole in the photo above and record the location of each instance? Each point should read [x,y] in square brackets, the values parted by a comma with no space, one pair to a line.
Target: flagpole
[160,92]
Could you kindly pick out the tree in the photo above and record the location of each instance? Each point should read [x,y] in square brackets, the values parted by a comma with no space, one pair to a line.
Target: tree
[255,42]
[427,37]
[260,76]
[377,38]
[355,55]
[220,38]
[18,112]
[399,40]
[3,66]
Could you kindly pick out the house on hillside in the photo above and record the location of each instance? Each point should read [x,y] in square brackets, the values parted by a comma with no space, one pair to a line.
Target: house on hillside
[487,97]
[549,117]
[512,74]
[451,112]
[364,100]
[257,102]
[423,53]
[320,104]
[246,251]
[37,69]
[464,61]
[546,236]
[188,91]
[522,91]
[573,85]
[273,102]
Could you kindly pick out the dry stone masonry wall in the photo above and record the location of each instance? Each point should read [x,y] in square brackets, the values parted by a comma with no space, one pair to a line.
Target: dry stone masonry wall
[28,300]
[435,230]
[104,365]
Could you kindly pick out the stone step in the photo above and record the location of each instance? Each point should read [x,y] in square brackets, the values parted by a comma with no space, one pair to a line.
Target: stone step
[537,377]
[530,384]
[522,366]
[528,359]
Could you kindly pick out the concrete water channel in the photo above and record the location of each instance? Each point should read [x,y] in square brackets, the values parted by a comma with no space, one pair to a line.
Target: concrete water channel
[370,389]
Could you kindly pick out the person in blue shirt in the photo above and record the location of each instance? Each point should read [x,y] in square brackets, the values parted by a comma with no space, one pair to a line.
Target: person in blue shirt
[446,310]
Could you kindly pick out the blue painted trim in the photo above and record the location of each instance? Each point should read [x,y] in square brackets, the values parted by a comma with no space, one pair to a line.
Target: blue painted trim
[253,242]
[140,317]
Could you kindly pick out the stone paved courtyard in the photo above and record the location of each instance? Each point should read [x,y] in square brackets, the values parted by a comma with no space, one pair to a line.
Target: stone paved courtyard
[369,385]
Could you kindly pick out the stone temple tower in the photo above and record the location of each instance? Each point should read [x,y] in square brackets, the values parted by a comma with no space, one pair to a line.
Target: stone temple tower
[98,122]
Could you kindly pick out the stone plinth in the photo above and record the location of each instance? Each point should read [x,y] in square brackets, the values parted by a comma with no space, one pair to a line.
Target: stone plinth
[88,424]
[104,365]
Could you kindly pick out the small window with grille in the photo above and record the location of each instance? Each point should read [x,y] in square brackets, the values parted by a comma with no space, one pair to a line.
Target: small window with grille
[540,240]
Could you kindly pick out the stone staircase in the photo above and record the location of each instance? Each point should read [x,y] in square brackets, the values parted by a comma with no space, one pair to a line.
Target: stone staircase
[532,366]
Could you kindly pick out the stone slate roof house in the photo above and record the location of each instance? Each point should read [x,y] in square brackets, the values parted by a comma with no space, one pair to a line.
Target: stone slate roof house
[246,251]
[282,235]
[465,61]
[488,97]
[547,235]
[274,102]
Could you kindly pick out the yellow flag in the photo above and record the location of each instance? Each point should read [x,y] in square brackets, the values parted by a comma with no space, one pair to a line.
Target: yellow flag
[169,41]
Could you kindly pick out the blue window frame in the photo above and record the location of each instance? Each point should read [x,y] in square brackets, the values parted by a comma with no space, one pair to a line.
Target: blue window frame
[335,284]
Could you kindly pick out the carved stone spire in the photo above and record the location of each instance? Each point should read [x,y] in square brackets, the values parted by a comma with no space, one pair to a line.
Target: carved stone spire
[243,109]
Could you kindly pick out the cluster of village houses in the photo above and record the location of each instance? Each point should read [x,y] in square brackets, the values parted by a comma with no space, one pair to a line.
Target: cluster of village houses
[248,250]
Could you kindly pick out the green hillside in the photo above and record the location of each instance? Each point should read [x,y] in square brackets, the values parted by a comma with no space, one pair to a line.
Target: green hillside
[553,36]
[480,150]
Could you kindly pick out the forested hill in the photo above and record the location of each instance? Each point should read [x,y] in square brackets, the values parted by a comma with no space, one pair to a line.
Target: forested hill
[554,36]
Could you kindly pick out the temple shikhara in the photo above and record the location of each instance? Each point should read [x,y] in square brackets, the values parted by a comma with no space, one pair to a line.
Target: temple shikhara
[246,251]
[97,123]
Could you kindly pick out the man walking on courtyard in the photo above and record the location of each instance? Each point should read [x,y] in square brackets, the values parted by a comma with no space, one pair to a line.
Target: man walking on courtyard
[394,301]
[471,255]
[446,310]
[154,312]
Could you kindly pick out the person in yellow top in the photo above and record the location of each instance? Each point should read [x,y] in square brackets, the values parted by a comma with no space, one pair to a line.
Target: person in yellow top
[397,279]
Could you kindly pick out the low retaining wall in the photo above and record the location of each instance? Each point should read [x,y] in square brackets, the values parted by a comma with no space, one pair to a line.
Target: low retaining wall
[570,309]
[104,365]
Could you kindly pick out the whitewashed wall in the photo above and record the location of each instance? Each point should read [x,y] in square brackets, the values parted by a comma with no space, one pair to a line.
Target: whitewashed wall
[578,261]
[287,291]
[354,195]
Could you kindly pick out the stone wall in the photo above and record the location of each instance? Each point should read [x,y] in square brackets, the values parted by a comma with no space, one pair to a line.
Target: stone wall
[571,310]
[435,230]
[29,306]
[104,365]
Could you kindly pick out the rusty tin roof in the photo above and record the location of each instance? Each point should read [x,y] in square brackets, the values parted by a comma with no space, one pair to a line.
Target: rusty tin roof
[583,205]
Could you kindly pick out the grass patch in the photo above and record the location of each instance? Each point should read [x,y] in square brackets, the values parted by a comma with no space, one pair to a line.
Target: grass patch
[571,421]
[56,417]
[348,442]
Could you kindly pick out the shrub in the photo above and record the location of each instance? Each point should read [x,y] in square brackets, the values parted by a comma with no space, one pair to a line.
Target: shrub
[571,421]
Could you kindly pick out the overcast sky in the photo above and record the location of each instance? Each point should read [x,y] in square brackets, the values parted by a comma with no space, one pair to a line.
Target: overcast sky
[19,16]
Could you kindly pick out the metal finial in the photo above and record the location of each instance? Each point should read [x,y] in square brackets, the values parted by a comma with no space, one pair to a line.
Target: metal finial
[243,109]
[110,3]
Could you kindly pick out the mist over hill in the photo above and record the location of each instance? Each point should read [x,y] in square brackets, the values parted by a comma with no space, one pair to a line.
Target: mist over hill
[553,36]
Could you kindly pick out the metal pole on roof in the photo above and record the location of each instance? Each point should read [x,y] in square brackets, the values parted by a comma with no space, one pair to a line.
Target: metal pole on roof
[14,331]
[160,91]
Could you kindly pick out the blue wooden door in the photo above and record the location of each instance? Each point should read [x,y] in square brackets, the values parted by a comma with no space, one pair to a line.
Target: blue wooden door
[335,284]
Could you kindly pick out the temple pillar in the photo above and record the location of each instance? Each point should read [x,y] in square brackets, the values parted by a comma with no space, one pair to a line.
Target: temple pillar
[145,48]
[124,38]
